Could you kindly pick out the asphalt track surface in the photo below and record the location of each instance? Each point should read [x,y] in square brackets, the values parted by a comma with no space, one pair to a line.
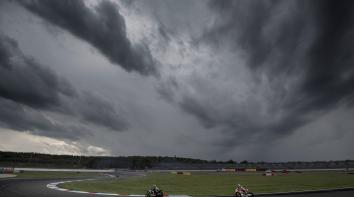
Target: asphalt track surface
[38,188]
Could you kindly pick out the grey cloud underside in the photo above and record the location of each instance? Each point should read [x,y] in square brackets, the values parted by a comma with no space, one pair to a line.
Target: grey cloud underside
[310,43]
[253,73]
[22,118]
[98,111]
[326,25]
[29,91]
[103,27]
[25,81]
[330,75]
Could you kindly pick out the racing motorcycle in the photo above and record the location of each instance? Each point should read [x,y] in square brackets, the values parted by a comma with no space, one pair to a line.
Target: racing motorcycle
[242,191]
[154,191]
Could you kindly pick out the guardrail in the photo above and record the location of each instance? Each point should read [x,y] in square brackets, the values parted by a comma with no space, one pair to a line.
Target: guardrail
[62,170]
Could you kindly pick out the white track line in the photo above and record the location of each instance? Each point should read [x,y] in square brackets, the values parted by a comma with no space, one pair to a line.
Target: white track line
[55,187]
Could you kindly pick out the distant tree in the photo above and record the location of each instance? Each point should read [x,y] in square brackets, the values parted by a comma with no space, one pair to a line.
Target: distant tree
[244,162]
[230,161]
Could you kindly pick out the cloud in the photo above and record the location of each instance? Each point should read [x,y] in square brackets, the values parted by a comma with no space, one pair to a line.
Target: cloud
[242,79]
[34,98]
[101,112]
[103,27]
[271,67]
[11,140]
[279,38]
[330,72]
[21,118]
[94,150]
[25,81]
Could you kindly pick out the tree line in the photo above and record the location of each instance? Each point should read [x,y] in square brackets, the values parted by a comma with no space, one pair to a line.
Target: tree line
[25,159]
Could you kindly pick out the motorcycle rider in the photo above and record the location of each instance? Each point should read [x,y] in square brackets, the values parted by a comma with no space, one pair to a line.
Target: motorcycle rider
[155,189]
[242,191]
[240,188]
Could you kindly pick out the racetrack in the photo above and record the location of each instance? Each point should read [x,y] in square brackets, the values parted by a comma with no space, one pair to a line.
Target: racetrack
[37,188]
[30,188]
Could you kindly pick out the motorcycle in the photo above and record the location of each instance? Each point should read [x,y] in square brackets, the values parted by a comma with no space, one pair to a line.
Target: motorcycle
[242,192]
[154,192]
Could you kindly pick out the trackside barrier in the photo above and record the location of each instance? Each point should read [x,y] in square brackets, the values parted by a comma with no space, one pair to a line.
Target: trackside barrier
[228,170]
[6,170]
[181,173]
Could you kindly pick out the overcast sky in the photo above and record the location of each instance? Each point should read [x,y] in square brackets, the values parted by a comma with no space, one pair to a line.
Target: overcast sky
[243,79]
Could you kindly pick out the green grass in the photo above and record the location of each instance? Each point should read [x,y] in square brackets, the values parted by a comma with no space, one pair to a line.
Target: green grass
[217,183]
[54,175]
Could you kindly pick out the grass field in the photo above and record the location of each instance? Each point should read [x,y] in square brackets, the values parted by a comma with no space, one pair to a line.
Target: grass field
[217,183]
[54,175]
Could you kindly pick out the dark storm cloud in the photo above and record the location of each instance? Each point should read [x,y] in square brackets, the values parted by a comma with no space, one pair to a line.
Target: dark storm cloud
[21,118]
[328,62]
[104,28]
[330,76]
[244,24]
[101,112]
[28,90]
[25,81]
[310,41]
